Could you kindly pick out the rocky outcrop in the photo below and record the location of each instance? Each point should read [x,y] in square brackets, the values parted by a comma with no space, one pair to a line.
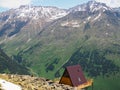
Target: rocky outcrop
[34,83]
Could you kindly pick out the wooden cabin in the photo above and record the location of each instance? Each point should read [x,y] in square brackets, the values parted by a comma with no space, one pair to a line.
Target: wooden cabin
[74,76]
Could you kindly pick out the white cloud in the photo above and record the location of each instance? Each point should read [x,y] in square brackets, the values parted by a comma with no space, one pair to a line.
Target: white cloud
[13,3]
[111,3]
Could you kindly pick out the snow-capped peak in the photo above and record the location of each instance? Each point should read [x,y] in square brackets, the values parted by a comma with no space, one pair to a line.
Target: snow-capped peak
[91,6]
[25,13]
[95,6]
[40,12]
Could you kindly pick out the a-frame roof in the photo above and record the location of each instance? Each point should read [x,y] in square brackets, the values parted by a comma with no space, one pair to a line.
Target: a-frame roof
[75,75]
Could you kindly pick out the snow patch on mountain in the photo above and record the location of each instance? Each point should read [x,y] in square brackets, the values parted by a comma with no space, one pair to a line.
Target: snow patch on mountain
[40,12]
[91,6]
[97,17]
[108,24]
[29,40]
[89,18]
[72,23]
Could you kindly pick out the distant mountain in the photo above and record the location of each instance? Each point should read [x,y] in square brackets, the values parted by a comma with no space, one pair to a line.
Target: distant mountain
[86,34]
[27,17]
[7,65]
[91,6]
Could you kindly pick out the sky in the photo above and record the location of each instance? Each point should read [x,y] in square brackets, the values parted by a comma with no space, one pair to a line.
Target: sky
[65,4]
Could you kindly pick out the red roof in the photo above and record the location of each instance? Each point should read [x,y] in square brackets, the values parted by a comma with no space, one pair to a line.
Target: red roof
[76,75]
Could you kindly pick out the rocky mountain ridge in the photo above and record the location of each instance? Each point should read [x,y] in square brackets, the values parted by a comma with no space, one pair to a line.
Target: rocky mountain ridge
[34,12]
[91,6]
[34,83]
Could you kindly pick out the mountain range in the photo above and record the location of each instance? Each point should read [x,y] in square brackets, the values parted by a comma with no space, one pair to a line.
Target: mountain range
[47,39]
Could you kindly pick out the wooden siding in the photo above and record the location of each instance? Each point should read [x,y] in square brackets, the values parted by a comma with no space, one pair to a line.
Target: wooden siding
[66,80]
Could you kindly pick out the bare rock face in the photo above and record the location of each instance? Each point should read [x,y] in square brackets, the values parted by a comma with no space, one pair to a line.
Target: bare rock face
[34,83]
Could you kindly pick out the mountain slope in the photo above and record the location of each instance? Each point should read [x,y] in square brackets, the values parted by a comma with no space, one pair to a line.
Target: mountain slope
[26,82]
[10,66]
[19,26]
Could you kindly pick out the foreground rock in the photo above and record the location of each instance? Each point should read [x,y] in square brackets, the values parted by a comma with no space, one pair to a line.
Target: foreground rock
[34,83]
[5,85]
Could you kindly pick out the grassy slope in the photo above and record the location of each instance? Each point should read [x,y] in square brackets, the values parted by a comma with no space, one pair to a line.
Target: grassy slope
[10,66]
[106,83]
[51,57]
